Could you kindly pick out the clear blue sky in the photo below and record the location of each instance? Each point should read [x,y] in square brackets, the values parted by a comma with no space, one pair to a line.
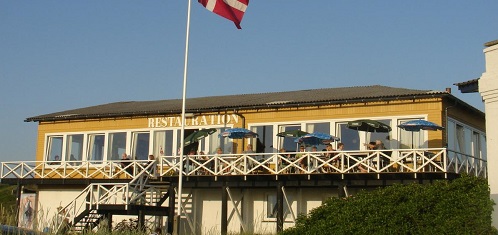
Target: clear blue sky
[57,55]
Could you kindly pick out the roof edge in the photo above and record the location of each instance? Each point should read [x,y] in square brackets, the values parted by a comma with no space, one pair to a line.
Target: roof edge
[432,94]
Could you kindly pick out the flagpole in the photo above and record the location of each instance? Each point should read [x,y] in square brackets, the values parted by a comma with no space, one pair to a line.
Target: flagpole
[182,133]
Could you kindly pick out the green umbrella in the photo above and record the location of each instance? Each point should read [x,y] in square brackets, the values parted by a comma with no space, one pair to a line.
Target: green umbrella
[293,133]
[368,125]
[198,135]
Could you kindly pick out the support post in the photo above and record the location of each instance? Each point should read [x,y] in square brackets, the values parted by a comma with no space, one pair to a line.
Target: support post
[224,209]
[171,209]
[141,220]
[342,190]
[108,217]
[280,208]
[18,196]
[176,225]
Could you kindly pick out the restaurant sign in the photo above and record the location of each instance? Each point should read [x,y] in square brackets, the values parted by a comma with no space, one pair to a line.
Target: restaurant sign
[202,120]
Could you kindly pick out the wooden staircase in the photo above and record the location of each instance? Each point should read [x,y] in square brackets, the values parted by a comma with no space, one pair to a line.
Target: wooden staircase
[98,200]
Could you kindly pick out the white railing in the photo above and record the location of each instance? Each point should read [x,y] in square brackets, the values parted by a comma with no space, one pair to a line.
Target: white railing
[90,198]
[343,162]
[137,191]
[464,163]
[73,169]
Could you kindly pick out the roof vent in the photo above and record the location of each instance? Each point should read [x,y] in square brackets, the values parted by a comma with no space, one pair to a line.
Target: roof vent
[279,102]
[65,115]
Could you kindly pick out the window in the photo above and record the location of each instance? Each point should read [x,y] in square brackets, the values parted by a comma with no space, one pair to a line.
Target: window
[476,145]
[450,135]
[215,141]
[382,136]
[287,142]
[349,137]
[483,148]
[409,139]
[192,146]
[323,127]
[74,149]
[140,145]
[96,147]
[207,144]
[54,150]
[117,146]
[264,141]
[460,137]
[163,143]
[271,208]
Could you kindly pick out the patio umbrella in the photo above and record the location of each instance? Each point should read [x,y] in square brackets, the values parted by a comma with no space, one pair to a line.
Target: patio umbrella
[198,135]
[417,125]
[238,133]
[316,138]
[293,133]
[368,125]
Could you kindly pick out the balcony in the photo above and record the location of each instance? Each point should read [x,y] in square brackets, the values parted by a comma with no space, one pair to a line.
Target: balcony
[374,163]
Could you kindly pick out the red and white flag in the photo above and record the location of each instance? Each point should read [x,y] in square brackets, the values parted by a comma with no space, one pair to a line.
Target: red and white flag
[230,9]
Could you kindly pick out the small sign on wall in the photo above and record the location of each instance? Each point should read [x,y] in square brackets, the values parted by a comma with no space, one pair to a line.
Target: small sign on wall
[27,210]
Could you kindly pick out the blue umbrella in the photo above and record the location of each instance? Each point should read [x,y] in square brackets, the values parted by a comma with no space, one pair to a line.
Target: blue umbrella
[316,138]
[417,125]
[238,133]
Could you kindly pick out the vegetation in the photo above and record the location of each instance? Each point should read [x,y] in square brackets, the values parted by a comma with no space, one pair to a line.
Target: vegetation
[461,206]
[7,205]
[6,196]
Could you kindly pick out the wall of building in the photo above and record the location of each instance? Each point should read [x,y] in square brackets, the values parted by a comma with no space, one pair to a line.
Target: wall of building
[430,107]
[488,87]
[50,200]
[252,204]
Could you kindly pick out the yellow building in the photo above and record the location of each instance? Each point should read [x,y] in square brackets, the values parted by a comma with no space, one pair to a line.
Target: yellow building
[79,171]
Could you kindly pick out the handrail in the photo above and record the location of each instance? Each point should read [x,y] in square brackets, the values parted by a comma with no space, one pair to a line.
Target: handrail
[370,161]
[92,195]
[73,169]
[465,163]
[343,162]
[96,194]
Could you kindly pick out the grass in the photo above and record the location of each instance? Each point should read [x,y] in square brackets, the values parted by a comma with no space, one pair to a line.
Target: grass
[6,196]
[7,205]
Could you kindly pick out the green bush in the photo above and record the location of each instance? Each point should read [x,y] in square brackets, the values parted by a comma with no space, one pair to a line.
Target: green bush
[461,206]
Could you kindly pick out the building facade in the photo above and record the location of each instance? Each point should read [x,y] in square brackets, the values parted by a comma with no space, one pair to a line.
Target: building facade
[79,176]
[488,87]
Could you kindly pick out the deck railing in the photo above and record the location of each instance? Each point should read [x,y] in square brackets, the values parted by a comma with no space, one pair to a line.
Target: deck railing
[342,162]
[438,160]
[74,169]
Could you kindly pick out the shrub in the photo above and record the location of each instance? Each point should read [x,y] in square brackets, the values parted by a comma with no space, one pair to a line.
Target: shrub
[461,206]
